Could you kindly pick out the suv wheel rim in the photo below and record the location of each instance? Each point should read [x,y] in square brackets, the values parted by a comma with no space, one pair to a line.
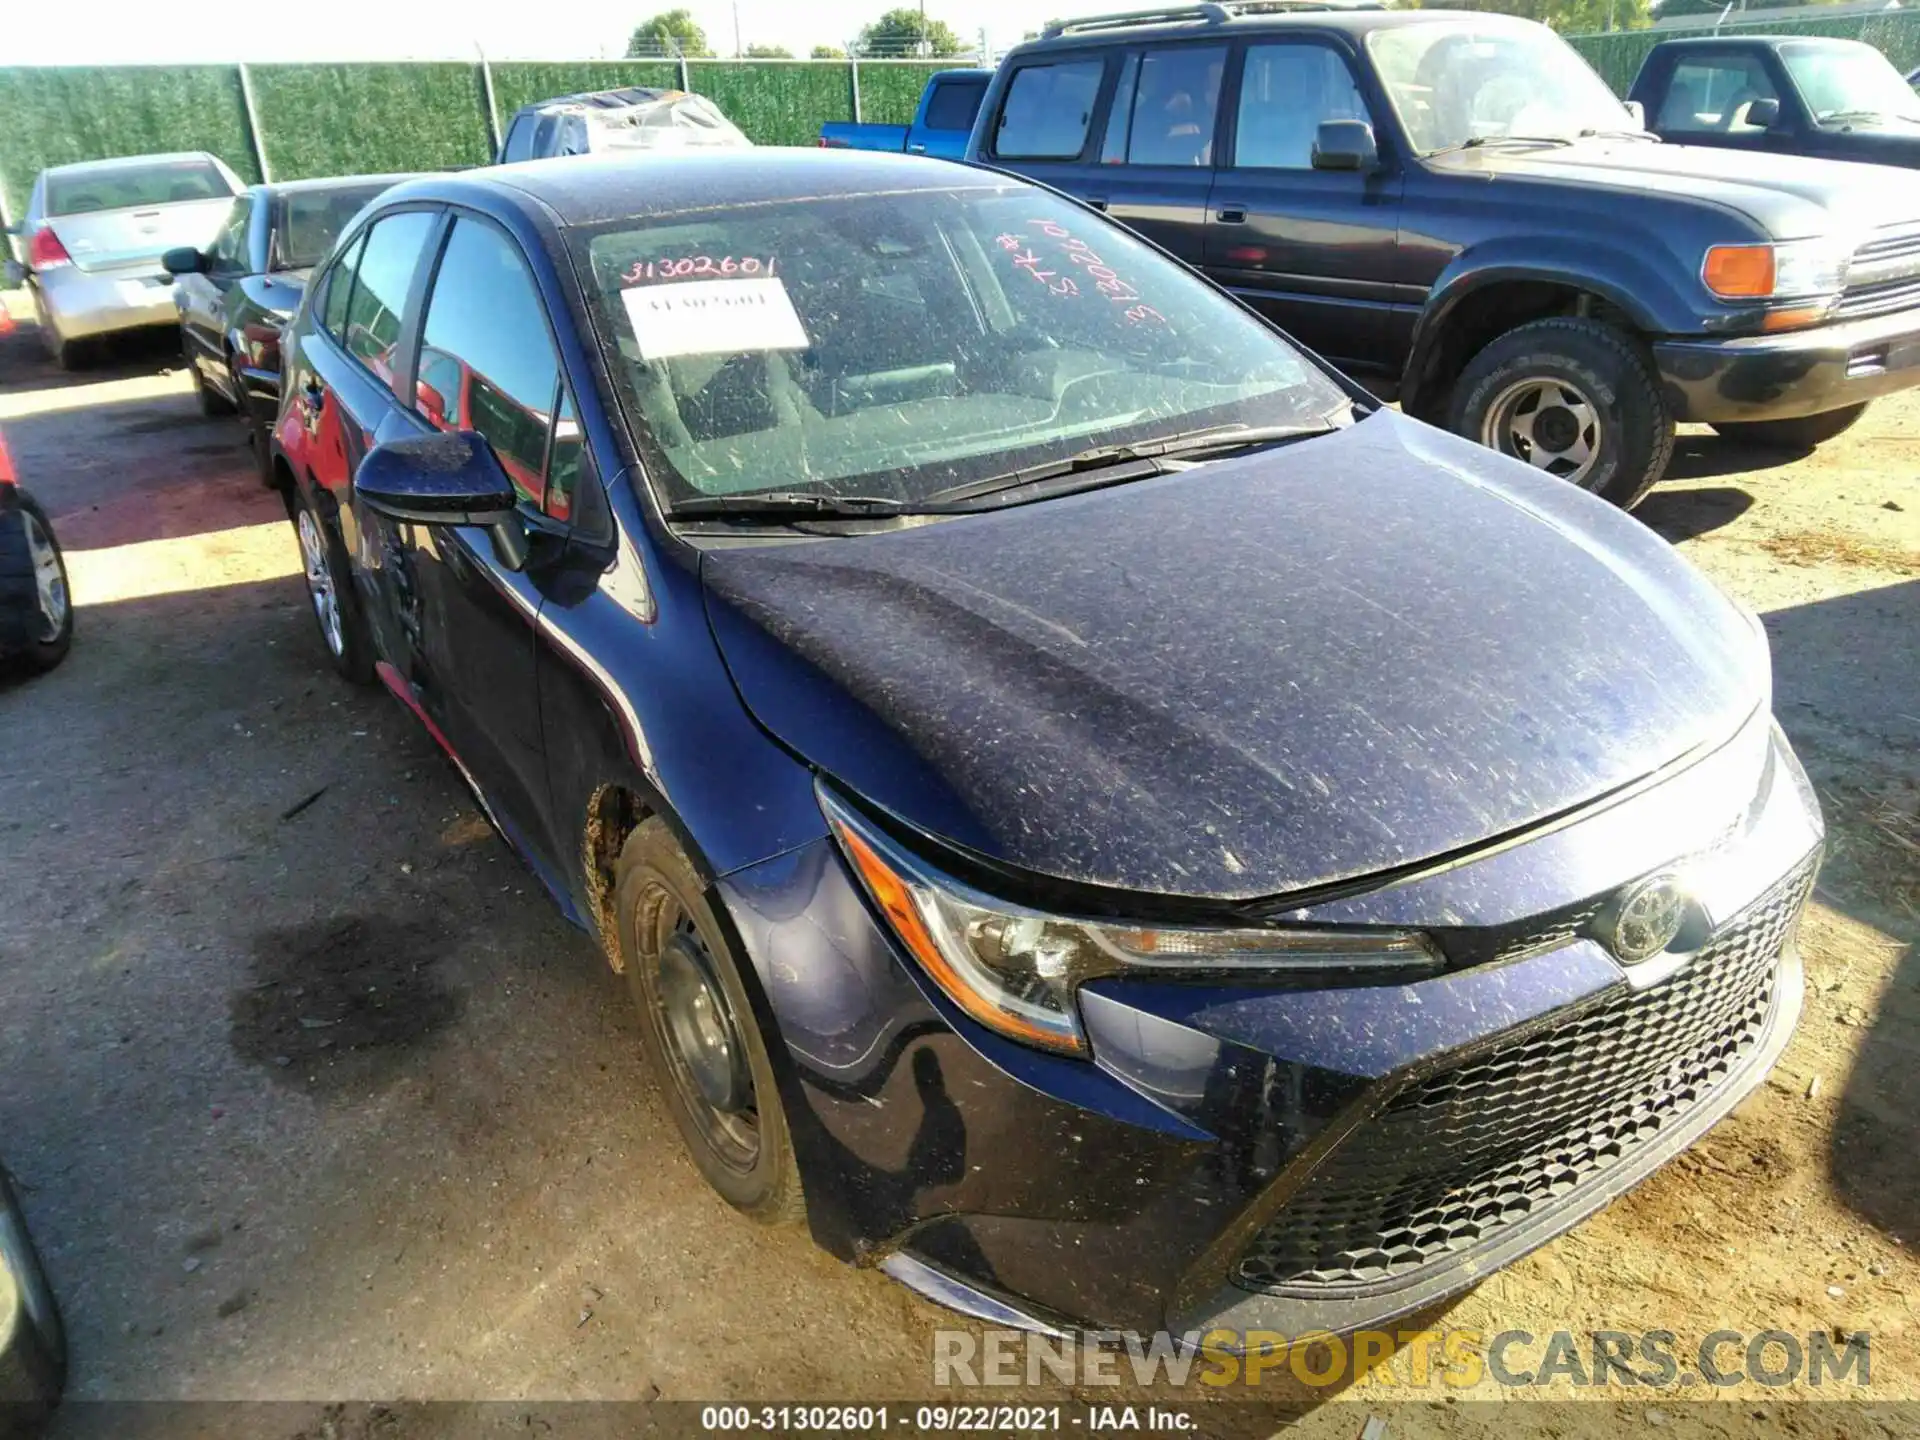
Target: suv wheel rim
[49,581]
[326,604]
[1550,424]
[705,1051]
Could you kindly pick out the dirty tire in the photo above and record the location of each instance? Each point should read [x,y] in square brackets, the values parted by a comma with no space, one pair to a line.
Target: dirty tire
[351,649]
[24,641]
[1635,430]
[212,402]
[659,897]
[1796,436]
[34,1368]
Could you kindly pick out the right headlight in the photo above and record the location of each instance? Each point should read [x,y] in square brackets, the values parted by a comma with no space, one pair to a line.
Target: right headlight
[1015,970]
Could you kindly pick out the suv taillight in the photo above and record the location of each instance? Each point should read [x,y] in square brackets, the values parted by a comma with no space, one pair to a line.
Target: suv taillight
[45,251]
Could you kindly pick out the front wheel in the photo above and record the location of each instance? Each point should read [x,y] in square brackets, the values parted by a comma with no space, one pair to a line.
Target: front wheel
[212,402]
[1574,398]
[699,1028]
[1797,436]
[336,609]
[36,605]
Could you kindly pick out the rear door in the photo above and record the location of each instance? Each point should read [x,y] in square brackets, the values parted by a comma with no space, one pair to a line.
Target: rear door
[1157,155]
[488,365]
[1313,250]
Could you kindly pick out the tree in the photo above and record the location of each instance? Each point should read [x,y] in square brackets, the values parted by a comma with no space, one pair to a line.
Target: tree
[671,32]
[828,52]
[768,52]
[905,32]
[1569,17]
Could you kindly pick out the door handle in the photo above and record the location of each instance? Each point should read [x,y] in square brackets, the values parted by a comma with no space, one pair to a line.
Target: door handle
[916,149]
[1232,215]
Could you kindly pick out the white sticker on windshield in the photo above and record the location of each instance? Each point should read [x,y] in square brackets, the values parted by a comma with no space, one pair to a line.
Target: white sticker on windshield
[713,317]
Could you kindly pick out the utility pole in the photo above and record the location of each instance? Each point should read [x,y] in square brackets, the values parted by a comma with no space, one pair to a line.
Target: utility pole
[737,51]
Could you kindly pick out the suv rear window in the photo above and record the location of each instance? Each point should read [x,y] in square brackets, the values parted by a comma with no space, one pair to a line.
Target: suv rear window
[1045,114]
[123,187]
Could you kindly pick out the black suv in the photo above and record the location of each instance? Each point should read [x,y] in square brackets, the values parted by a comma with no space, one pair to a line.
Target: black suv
[1456,209]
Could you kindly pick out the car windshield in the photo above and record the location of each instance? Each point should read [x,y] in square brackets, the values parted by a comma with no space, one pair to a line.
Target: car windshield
[309,221]
[147,183]
[904,344]
[1846,82]
[1460,82]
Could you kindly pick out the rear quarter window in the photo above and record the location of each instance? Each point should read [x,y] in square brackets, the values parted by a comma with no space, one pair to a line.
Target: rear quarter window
[1047,110]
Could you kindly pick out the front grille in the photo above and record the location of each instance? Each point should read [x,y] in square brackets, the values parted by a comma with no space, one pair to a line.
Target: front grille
[1883,275]
[1456,1157]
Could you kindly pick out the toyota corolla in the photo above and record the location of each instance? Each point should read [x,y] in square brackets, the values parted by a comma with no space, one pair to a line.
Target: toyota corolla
[1098,817]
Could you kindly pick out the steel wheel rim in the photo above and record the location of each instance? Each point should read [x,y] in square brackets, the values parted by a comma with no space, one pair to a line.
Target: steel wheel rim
[699,1033]
[1552,425]
[326,604]
[49,580]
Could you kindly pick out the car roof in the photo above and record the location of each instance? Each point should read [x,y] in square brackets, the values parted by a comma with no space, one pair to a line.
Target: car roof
[124,162]
[1723,42]
[1191,22]
[330,182]
[613,185]
[622,98]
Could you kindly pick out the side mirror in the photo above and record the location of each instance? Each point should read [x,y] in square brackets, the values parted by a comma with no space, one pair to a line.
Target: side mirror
[1345,145]
[446,479]
[183,260]
[1637,113]
[1763,114]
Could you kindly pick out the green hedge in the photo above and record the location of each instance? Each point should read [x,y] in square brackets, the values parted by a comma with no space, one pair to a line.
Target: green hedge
[776,104]
[370,119]
[57,115]
[1618,56]
[890,89]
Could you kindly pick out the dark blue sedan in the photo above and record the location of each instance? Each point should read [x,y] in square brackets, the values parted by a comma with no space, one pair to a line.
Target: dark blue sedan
[1099,818]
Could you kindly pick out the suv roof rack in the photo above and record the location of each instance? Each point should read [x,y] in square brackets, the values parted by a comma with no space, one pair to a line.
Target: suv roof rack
[1207,12]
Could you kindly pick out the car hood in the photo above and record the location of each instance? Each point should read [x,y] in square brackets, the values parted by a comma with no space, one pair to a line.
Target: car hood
[1790,196]
[1262,675]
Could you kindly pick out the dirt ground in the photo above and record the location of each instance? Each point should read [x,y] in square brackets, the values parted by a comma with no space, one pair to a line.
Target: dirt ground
[265,1165]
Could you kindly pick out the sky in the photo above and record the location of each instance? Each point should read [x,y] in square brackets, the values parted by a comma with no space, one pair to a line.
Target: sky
[109,32]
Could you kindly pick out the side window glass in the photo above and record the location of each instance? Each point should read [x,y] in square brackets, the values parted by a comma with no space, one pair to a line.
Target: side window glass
[1712,94]
[333,318]
[570,475]
[1113,150]
[519,144]
[1174,106]
[486,357]
[376,315]
[1285,94]
[229,252]
[1045,114]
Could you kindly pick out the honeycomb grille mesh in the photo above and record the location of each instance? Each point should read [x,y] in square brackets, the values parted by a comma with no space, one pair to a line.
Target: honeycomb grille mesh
[1454,1158]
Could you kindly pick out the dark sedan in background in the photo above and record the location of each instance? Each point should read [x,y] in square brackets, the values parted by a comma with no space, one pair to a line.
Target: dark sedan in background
[1098,816]
[234,296]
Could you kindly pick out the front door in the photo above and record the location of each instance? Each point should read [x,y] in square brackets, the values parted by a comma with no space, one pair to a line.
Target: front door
[202,301]
[1313,250]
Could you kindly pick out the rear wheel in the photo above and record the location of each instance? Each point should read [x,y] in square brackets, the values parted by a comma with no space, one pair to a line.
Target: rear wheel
[258,438]
[700,1031]
[1574,398]
[1797,435]
[330,593]
[36,605]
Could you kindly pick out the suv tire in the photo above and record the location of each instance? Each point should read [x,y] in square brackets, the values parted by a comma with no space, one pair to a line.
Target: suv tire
[1573,397]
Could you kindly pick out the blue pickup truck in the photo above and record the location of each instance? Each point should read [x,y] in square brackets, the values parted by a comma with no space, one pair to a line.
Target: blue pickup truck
[940,126]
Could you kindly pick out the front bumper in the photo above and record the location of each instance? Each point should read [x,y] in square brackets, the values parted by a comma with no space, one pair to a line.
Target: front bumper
[81,304]
[1259,1158]
[1791,374]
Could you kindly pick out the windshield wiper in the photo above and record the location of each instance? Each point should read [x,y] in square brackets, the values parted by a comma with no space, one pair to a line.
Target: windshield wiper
[788,504]
[1619,132]
[1478,142]
[1110,457]
[1839,117]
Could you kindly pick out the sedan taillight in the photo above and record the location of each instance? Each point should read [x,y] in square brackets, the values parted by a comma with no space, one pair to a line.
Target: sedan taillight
[44,250]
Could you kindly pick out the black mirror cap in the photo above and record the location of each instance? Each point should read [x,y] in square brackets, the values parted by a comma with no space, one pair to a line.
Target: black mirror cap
[183,260]
[1345,145]
[442,479]
[1764,113]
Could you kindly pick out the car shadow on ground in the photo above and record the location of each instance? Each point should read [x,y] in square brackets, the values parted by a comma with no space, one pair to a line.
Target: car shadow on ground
[1848,692]
[1709,456]
[1678,515]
